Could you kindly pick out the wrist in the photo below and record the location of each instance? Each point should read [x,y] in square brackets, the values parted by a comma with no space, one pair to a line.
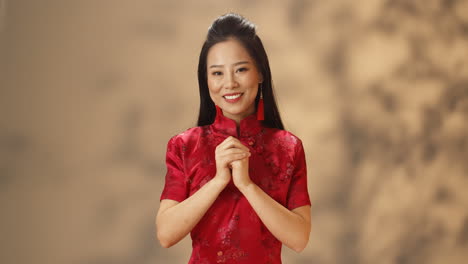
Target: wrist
[246,187]
[220,182]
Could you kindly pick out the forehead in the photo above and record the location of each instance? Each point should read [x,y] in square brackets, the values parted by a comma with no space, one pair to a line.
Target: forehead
[227,52]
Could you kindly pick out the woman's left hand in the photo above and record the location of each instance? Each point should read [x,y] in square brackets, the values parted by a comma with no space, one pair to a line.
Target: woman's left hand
[240,173]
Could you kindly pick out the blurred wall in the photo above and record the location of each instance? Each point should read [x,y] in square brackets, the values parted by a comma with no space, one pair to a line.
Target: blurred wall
[91,91]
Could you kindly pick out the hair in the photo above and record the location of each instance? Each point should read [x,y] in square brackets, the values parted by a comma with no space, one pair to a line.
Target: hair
[234,26]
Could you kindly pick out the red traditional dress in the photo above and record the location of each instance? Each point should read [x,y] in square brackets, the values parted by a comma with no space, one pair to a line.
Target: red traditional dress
[230,231]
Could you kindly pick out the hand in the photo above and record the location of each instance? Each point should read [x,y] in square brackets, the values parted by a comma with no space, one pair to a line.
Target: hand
[240,173]
[230,150]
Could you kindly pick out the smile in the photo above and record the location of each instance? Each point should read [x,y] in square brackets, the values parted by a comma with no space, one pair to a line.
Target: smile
[232,96]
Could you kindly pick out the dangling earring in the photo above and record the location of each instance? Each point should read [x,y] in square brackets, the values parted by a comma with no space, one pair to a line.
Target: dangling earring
[260,107]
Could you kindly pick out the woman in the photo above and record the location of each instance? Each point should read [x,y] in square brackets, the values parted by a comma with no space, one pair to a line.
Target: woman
[237,182]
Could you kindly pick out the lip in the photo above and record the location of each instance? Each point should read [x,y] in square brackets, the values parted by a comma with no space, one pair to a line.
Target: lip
[233,100]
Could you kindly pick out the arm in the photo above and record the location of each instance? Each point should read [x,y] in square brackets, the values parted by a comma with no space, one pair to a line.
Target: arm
[292,228]
[175,220]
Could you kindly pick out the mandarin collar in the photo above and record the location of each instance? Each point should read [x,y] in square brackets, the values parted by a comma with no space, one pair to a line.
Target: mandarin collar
[249,126]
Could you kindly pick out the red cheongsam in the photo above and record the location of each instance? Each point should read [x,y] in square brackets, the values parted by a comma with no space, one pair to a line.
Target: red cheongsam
[230,231]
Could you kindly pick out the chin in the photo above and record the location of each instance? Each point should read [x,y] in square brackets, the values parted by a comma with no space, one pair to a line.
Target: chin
[234,110]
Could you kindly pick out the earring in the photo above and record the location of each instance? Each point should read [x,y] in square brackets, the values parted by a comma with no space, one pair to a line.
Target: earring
[260,107]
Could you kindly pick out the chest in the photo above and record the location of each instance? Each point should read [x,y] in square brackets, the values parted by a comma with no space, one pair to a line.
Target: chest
[271,165]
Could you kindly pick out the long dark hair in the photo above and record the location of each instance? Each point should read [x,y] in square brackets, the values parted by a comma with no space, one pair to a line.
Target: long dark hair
[235,26]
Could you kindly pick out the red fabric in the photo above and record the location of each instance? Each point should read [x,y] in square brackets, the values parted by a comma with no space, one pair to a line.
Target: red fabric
[230,231]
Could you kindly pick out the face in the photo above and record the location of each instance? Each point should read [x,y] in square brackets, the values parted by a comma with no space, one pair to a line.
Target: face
[233,79]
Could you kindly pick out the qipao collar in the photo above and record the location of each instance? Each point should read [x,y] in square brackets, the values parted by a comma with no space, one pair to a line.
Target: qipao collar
[249,126]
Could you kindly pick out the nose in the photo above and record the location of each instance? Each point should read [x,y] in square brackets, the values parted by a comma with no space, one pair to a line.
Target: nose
[230,81]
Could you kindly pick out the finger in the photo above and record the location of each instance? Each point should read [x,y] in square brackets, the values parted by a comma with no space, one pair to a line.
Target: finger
[234,151]
[235,143]
[222,152]
[237,162]
[225,141]
[235,154]
[246,158]
[227,159]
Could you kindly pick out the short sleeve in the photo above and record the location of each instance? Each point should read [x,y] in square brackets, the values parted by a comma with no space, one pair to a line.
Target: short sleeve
[175,187]
[298,194]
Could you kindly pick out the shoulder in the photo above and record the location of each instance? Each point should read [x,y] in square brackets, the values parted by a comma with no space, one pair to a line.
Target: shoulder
[283,135]
[283,141]
[188,135]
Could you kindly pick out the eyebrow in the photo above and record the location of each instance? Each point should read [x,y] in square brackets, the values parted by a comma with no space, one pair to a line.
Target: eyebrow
[235,64]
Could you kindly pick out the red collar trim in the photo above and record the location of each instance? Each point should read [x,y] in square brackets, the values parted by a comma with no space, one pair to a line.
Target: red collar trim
[249,126]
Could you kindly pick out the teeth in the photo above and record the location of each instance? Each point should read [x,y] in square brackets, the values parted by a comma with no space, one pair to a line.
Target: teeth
[231,97]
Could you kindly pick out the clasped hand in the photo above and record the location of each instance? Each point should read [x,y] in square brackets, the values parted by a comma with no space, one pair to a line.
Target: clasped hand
[232,160]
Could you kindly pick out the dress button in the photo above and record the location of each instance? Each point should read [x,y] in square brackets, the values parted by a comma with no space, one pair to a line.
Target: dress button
[251,143]
[220,253]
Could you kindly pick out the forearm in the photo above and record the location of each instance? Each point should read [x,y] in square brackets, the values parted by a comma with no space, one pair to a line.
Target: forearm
[174,223]
[288,227]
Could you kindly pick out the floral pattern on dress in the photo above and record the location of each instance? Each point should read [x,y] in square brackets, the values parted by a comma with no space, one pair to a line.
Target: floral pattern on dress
[231,231]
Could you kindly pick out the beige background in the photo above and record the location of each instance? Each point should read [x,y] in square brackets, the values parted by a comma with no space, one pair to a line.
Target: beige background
[91,91]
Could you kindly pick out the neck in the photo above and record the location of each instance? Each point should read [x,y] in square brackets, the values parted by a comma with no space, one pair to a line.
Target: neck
[238,118]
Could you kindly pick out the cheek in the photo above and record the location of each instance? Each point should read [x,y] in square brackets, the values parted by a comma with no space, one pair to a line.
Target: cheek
[213,91]
[252,79]
[253,84]
[213,87]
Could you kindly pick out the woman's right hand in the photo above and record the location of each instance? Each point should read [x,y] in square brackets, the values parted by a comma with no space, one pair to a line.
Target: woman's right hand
[231,149]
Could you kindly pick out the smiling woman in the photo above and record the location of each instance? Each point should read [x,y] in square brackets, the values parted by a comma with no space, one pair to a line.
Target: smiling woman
[238,181]
[233,79]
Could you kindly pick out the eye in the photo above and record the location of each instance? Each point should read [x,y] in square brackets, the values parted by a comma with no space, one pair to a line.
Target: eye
[243,69]
[216,73]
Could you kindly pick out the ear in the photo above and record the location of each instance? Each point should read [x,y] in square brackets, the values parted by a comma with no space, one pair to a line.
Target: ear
[260,77]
